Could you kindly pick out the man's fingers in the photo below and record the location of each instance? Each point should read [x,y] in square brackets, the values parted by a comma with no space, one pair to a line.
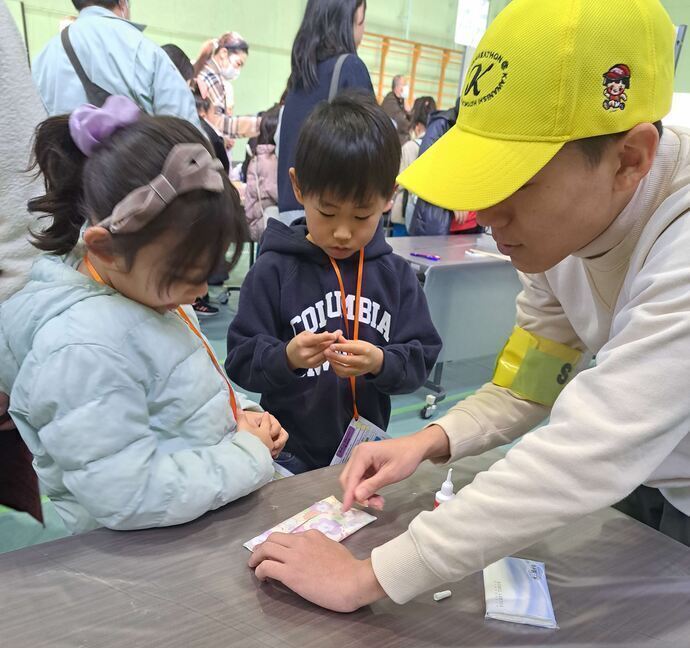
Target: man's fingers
[269,551]
[270,569]
[376,502]
[359,465]
[367,489]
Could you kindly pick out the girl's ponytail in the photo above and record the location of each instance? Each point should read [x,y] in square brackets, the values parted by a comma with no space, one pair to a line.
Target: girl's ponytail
[61,163]
[208,49]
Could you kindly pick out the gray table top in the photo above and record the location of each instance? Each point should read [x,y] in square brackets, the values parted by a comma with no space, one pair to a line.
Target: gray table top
[452,249]
[614,582]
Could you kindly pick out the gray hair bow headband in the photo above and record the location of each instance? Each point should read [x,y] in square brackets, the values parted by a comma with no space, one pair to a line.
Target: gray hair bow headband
[188,167]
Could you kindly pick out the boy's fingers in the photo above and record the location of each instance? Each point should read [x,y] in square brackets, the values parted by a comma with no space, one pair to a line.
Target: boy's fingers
[315,360]
[318,338]
[349,347]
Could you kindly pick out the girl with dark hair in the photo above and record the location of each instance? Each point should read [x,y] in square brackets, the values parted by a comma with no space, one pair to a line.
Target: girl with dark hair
[130,418]
[261,197]
[330,30]
[404,203]
[220,62]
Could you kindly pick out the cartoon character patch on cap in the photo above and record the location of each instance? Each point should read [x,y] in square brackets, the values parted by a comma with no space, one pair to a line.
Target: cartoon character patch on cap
[617,81]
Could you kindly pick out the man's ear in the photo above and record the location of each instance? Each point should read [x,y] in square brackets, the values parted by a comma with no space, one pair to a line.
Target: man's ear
[636,151]
[295,186]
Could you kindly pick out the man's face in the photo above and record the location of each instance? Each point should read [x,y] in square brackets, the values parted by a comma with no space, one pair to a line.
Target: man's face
[123,10]
[402,82]
[563,208]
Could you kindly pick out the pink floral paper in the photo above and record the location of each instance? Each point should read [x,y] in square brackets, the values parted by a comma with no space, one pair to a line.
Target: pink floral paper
[325,516]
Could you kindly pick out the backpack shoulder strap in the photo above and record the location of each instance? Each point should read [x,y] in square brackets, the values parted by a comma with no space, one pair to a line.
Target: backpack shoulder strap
[94,93]
[335,79]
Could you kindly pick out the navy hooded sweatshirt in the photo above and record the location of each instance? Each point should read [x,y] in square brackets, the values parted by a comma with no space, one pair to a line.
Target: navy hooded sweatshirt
[291,288]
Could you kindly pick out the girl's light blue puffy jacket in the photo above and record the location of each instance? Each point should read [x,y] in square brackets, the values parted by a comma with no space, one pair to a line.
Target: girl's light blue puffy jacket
[126,416]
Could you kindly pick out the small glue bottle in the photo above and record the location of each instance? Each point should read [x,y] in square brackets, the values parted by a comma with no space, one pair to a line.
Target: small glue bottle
[446,492]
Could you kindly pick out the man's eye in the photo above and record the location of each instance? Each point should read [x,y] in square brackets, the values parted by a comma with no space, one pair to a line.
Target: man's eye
[326,215]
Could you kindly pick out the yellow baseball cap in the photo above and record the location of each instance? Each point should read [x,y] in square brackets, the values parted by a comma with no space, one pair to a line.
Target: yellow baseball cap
[547,72]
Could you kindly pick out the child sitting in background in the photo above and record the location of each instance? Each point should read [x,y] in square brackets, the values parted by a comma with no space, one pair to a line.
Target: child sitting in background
[261,197]
[130,419]
[287,339]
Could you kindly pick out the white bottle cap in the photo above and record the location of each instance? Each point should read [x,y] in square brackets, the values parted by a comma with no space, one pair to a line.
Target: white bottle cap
[446,492]
[447,488]
[439,596]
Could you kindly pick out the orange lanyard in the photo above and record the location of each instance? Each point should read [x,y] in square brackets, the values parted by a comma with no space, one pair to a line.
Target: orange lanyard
[343,306]
[180,311]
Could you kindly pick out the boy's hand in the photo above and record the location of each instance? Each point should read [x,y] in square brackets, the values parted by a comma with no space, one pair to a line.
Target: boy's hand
[306,350]
[362,358]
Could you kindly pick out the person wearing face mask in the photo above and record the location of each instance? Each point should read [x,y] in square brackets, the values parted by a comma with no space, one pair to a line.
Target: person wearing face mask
[394,106]
[219,64]
[110,56]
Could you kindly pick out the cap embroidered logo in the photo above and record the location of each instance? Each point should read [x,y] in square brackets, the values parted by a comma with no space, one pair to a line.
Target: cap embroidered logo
[616,82]
[489,71]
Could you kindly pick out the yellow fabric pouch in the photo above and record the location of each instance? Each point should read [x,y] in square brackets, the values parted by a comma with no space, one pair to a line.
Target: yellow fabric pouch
[535,368]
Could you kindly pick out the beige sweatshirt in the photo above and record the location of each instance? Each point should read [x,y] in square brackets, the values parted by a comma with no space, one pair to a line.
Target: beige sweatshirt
[625,298]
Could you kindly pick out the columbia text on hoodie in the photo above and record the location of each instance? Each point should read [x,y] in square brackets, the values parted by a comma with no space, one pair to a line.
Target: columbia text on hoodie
[293,288]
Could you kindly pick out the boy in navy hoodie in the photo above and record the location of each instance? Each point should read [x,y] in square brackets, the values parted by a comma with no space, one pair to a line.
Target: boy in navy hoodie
[289,340]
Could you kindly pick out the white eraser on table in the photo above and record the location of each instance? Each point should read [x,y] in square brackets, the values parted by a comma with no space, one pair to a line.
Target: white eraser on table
[439,596]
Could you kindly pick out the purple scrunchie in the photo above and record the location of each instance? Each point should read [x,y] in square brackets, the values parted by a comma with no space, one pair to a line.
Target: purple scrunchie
[90,126]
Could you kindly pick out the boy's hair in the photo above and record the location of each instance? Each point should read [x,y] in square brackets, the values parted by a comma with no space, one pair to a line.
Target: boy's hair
[349,148]
[81,189]
[593,148]
[180,60]
[82,4]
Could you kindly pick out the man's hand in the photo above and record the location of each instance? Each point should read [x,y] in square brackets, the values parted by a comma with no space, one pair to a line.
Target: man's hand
[306,350]
[381,463]
[350,358]
[300,560]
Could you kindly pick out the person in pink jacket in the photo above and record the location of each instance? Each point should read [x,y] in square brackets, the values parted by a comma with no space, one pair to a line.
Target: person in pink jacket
[261,198]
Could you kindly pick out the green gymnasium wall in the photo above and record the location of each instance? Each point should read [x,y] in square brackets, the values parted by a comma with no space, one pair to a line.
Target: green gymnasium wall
[270,25]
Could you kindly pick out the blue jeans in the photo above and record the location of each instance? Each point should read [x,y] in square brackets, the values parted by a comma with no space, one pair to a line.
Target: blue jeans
[292,463]
[399,230]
